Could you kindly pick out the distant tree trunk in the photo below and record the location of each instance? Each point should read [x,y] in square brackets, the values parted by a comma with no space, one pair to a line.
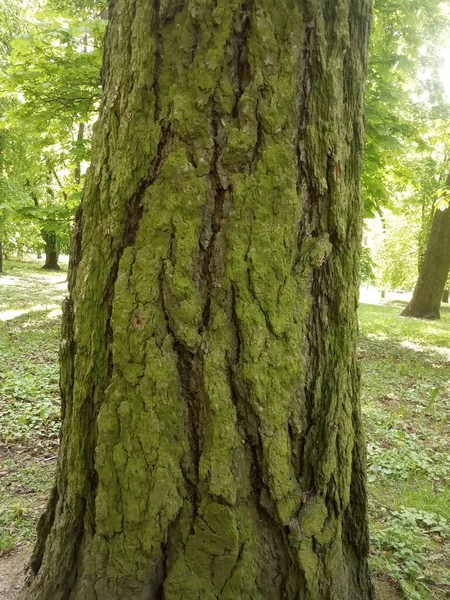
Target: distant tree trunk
[425,229]
[426,300]
[1,242]
[39,254]
[51,250]
[212,444]
[80,138]
[445,296]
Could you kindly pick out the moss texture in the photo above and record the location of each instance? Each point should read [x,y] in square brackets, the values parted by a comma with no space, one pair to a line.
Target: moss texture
[211,442]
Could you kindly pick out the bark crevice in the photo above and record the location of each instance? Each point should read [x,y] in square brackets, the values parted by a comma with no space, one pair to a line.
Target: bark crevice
[158,66]
[240,66]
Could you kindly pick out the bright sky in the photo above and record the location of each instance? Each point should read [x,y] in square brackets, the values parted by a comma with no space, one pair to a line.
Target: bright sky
[445,72]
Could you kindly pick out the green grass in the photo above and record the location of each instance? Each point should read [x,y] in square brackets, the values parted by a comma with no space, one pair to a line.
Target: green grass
[406,404]
[30,301]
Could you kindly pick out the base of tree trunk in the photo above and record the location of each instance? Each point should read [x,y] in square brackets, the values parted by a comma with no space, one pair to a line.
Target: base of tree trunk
[417,313]
[51,262]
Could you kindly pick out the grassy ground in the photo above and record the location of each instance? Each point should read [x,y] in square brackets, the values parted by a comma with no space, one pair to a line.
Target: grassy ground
[406,404]
[29,413]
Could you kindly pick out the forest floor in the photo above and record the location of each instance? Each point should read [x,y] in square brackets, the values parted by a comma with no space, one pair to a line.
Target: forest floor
[406,404]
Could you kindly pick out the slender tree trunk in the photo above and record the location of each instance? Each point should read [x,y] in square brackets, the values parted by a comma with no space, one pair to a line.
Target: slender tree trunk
[426,300]
[1,243]
[211,442]
[80,138]
[51,250]
[445,296]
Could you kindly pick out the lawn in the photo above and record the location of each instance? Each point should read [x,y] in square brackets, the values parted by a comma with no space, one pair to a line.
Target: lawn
[30,313]
[406,403]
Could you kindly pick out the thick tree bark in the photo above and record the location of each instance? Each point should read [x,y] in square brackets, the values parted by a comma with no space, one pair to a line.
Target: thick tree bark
[211,440]
[426,300]
[51,250]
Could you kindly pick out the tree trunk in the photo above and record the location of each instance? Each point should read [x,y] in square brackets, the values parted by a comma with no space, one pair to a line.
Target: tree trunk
[428,213]
[80,138]
[445,296]
[51,250]
[211,441]
[426,300]
[2,225]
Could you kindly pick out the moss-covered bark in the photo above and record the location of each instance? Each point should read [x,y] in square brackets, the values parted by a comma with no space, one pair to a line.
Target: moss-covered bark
[429,290]
[211,439]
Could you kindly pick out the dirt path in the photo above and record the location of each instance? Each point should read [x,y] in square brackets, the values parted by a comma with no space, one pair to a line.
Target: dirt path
[12,573]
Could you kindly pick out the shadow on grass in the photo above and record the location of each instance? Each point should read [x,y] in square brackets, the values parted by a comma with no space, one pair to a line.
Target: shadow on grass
[371,348]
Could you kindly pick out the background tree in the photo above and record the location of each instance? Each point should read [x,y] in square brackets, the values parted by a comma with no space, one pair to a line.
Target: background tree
[404,94]
[433,276]
[211,436]
[51,82]
[9,26]
[400,247]
[407,116]
[396,252]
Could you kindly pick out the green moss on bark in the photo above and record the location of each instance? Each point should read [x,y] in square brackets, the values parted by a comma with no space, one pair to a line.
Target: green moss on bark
[211,443]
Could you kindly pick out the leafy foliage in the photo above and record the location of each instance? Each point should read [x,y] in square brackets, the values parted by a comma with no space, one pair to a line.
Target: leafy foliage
[55,68]
[51,91]
[404,94]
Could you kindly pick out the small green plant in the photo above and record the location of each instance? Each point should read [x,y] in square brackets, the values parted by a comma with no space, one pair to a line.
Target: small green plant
[401,545]
[6,542]
[17,511]
[433,397]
